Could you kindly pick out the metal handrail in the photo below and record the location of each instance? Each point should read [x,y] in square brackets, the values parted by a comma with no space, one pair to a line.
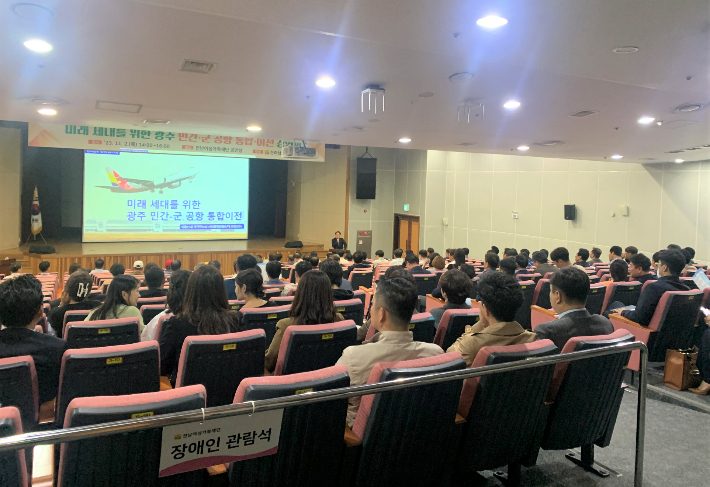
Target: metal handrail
[104,429]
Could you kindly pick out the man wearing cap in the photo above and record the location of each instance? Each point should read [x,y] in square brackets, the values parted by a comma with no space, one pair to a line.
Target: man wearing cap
[137,268]
[168,267]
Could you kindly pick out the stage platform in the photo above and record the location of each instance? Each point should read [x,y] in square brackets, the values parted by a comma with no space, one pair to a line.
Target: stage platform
[190,253]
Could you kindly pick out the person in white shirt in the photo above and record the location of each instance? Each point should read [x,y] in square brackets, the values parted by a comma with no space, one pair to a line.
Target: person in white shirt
[301,268]
[99,267]
[15,269]
[398,260]
[391,313]
[380,257]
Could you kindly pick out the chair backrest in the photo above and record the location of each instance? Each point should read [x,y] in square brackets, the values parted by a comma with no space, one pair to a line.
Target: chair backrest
[541,296]
[474,288]
[529,277]
[523,315]
[281,301]
[689,281]
[624,292]
[236,304]
[18,387]
[595,299]
[13,466]
[312,347]
[157,300]
[307,455]
[286,271]
[221,362]
[264,318]
[159,326]
[593,279]
[351,309]
[422,327]
[107,371]
[505,411]
[150,311]
[272,292]
[361,295]
[133,457]
[548,275]
[409,430]
[453,324]
[70,316]
[102,333]
[426,283]
[361,277]
[586,394]
[674,321]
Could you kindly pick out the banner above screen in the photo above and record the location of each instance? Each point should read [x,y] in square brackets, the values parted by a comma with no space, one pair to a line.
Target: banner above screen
[110,138]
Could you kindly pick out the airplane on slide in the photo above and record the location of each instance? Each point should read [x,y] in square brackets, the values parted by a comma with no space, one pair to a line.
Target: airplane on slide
[120,184]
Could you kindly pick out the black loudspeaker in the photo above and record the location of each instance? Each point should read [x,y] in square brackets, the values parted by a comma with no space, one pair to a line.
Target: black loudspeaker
[295,244]
[570,212]
[366,187]
[42,249]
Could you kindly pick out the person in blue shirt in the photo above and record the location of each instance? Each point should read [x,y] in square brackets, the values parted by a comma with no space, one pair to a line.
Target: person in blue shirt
[273,270]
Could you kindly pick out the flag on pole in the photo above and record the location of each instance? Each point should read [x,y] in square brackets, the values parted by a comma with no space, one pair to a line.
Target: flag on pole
[36,217]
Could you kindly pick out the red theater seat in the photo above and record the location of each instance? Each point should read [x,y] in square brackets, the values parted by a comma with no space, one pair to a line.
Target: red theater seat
[18,387]
[453,324]
[13,467]
[265,319]
[102,333]
[312,347]
[351,309]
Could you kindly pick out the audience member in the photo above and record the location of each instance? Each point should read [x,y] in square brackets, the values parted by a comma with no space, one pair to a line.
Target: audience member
[121,301]
[521,264]
[618,271]
[44,268]
[390,273]
[20,311]
[273,270]
[507,266]
[422,257]
[15,269]
[640,269]
[75,266]
[568,294]
[175,265]
[674,247]
[300,270]
[510,253]
[500,297]
[465,251]
[250,289]
[560,256]
[656,261]
[315,261]
[137,268]
[494,250]
[358,258]
[413,266]
[581,258]
[297,257]
[703,362]
[469,270]
[596,254]
[392,309]
[312,305]
[459,259]
[243,262]
[176,294]
[150,265]
[397,260]
[380,257]
[291,259]
[215,264]
[430,251]
[155,280]
[629,252]
[205,311]
[691,251]
[168,267]
[117,269]
[74,297]
[456,287]
[438,263]
[335,273]
[198,265]
[614,253]
[669,270]
[688,259]
[542,267]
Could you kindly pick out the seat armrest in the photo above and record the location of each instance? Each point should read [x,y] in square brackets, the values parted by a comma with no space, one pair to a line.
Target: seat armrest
[350,438]
[432,302]
[540,315]
[367,290]
[46,412]
[617,317]
[218,469]
[165,383]
[459,419]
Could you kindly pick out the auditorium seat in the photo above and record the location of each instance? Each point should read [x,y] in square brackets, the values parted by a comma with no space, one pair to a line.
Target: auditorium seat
[422,327]
[351,309]
[124,458]
[407,433]
[74,315]
[529,277]
[312,347]
[281,301]
[505,412]
[102,333]
[19,388]
[159,326]
[42,323]
[426,283]
[689,281]
[594,279]
[272,292]
[107,371]
[624,292]
[361,277]
[548,275]
[264,318]
[150,311]
[157,300]
[672,326]
[221,362]
[362,296]
[311,438]
[541,296]
[453,324]
[523,314]
[235,304]
[474,289]
[13,467]
[585,397]
[595,299]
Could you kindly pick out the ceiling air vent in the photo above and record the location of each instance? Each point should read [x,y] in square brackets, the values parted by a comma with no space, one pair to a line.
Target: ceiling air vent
[583,113]
[550,143]
[118,107]
[198,67]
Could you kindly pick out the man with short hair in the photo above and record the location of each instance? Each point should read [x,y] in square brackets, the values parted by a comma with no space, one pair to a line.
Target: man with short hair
[655,261]
[215,264]
[456,287]
[560,256]
[640,269]
[688,260]
[521,264]
[614,253]
[422,257]
[542,267]
[691,251]
[299,270]
[15,269]
[509,253]
[117,269]
[338,242]
[243,262]
[290,259]
[297,257]
[175,265]
[397,260]
[629,252]
[154,279]
[500,297]
[392,308]
[20,310]
[335,273]
[568,294]
[43,268]
[99,267]
[580,258]
[273,270]
[507,266]
[413,266]
[491,261]
[494,249]
[359,262]
[669,270]
[465,251]
[596,254]
[380,257]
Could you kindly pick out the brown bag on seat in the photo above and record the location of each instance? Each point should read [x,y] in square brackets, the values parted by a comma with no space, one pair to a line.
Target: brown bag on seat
[680,371]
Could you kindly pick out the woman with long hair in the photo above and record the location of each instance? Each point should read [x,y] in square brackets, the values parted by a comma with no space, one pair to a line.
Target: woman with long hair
[312,305]
[176,294]
[121,301]
[250,289]
[459,259]
[205,311]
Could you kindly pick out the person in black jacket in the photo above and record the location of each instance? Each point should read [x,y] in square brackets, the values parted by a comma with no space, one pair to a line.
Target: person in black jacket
[338,243]
[671,265]
[412,265]
[640,269]
[20,311]
[358,259]
[455,288]
[154,279]
[74,298]
[335,273]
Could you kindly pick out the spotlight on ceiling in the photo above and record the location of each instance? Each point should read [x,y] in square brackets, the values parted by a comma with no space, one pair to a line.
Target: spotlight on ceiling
[405,140]
[523,148]
[47,111]
[616,156]
[492,22]
[511,104]
[254,128]
[679,161]
[325,82]
[646,120]
[38,45]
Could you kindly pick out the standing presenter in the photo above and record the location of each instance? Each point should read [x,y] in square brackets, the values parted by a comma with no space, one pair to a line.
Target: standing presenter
[338,243]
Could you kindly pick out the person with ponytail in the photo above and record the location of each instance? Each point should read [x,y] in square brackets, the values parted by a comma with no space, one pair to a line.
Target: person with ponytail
[74,297]
[176,294]
[121,301]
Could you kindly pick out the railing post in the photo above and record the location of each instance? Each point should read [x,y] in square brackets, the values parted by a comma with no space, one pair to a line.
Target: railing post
[641,418]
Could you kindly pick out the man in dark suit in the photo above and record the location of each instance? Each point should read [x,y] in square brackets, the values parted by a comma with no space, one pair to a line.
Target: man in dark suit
[521,265]
[568,293]
[670,267]
[20,311]
[154,279]
[541,266]
[338,243]
[640,269]
[412,265]
[581,258]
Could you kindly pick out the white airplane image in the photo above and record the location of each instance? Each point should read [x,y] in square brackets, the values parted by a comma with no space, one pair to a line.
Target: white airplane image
[120,184]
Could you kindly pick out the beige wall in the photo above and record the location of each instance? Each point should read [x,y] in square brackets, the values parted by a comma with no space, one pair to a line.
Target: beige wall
[477,193]
[10,184]
[316,198]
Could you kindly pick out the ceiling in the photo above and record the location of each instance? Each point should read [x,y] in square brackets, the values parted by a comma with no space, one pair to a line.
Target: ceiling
[554,56]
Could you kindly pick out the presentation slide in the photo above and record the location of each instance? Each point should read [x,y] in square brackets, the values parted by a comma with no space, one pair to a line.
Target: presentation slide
[146,196]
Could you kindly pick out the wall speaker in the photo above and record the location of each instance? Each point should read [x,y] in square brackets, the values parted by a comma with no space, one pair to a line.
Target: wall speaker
[366,182]
[570,212]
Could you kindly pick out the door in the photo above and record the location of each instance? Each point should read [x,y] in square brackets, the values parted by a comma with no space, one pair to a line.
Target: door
[406,232]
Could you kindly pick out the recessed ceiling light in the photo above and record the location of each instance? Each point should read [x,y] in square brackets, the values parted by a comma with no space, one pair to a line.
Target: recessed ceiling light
[38,45]
[467,144]
[626,50]
[254,128]
[462,76]
[523,148]
[690,107]
[156,121]
[679,161]
[32,11]
[511,104]
[405,140]
[426,94]
[646,120]
[47,111]
[617,157]
[325,82]
[659,123]
[492,22]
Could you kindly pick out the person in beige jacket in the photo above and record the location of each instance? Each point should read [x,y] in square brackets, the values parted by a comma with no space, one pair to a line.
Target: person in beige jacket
[501,297]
